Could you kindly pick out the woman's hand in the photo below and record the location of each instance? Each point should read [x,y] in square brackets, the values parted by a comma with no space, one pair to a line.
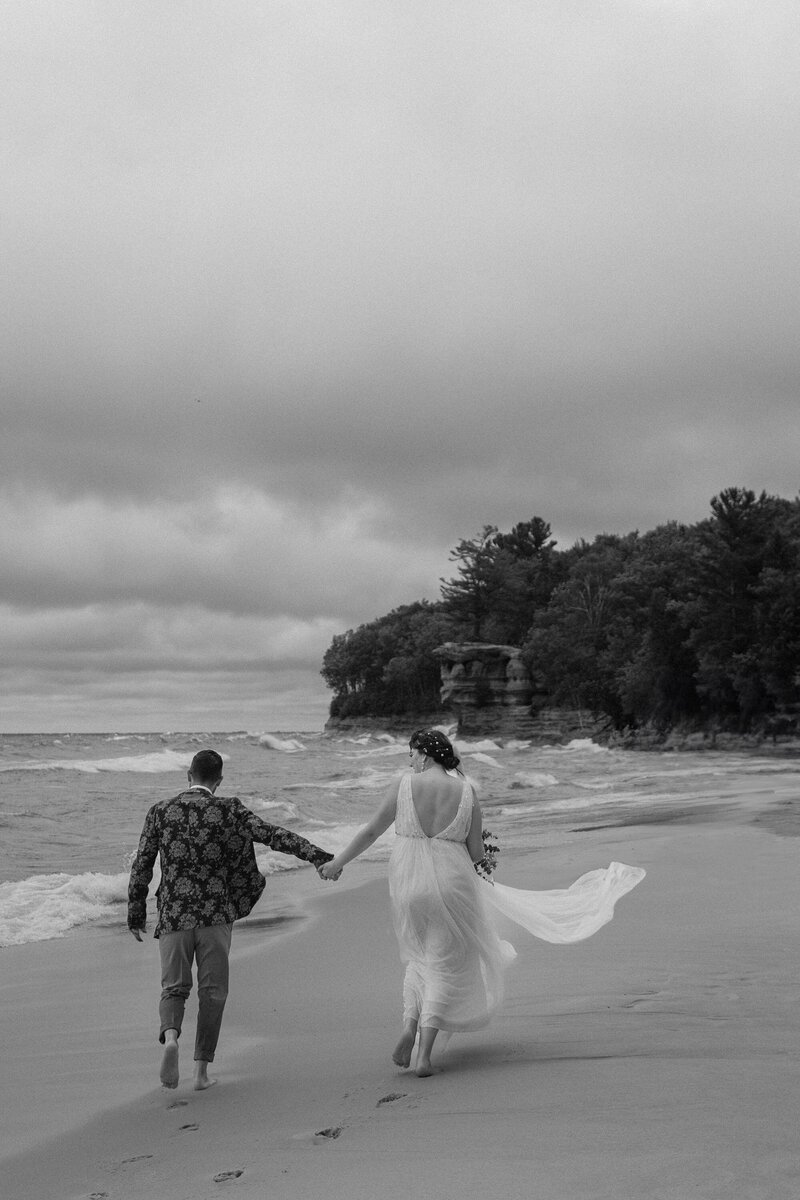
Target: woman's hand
[330,870]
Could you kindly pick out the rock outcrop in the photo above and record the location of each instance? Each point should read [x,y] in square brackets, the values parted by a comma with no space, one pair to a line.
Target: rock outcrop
[492,694]
[487,691]
[479,675]
[487,686]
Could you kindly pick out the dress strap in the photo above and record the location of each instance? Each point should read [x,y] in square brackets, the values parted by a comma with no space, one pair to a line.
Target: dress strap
[406,821]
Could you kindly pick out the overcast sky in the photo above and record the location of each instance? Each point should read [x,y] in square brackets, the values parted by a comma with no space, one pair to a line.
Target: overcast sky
[296,295]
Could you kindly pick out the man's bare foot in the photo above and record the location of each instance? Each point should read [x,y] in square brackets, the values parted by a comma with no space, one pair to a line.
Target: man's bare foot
[201,1079]
[169,1066]
[402,1051]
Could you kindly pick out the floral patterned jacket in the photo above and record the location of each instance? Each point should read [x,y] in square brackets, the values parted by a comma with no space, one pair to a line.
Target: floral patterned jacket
[209,874]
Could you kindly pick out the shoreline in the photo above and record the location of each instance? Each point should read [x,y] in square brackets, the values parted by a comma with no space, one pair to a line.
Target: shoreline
[676,740]
[649,1060]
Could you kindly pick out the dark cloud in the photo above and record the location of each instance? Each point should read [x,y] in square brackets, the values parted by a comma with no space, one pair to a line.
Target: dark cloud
[232,552]
[293,299]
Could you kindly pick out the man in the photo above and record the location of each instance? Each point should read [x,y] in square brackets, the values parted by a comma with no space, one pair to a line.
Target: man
[209,878]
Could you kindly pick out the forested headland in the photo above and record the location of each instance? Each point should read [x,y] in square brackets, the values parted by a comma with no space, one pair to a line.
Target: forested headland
[696,626]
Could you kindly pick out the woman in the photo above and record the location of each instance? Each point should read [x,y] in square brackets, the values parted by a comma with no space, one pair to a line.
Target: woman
[455,960]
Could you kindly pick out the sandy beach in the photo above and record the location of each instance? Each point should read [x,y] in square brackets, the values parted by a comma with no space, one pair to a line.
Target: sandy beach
[658,1059]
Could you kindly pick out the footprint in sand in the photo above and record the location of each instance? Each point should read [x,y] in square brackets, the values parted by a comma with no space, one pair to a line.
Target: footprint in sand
[191,1125]
[178,1104]
[126,1162]
[318,1138]
[388,1099]
[224,1176]
[333,1131]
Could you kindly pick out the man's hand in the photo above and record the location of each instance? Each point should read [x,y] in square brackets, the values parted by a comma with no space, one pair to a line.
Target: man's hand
[329,871]
[137,933]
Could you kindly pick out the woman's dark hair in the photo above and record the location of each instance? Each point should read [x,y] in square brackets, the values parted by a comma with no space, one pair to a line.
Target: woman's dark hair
[438,747]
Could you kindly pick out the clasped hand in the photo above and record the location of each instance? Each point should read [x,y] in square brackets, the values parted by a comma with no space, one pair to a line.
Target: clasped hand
[329,871]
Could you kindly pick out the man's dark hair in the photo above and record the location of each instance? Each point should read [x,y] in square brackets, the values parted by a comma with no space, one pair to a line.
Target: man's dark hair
[206,766]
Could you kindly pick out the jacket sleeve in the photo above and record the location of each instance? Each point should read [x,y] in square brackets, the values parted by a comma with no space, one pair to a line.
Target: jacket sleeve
[142,873]
[283,840]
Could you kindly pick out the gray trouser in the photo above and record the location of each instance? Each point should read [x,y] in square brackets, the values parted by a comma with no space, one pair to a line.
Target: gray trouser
[209,946]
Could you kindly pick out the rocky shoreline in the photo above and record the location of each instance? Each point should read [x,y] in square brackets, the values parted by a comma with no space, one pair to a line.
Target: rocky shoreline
[399,725]
[699,740]
[555,726]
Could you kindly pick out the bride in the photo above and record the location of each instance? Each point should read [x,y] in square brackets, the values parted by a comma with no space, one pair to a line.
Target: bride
[443,911]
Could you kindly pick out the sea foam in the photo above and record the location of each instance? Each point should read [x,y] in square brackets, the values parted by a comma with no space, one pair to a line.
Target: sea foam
[157,763]
[487,759]
[47,906]
[481,747]
[287,809]
[584,744]
[286,745]
[372,780]
[534,779]
[389,751]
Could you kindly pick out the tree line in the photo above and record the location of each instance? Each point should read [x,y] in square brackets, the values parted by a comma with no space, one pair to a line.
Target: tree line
[694,625]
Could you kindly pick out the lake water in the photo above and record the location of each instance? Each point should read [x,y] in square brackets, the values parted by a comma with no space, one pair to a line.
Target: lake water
[72,806]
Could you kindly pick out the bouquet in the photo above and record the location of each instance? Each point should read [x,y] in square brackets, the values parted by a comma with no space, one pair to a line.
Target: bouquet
[486,865]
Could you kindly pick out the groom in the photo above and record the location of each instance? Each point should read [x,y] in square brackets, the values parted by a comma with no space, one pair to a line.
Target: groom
[209,878]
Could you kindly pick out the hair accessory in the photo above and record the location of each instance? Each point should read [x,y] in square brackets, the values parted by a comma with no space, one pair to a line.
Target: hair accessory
[435,745]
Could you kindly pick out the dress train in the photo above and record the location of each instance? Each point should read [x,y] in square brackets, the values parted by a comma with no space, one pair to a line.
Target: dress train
[564,915]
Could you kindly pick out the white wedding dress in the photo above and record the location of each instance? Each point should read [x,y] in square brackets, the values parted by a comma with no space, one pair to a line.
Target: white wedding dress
[443,916]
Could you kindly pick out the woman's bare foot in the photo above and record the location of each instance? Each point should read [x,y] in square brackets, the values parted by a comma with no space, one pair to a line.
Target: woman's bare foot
[427,1036]
[169,1065]
[402,1051]
[201,1079]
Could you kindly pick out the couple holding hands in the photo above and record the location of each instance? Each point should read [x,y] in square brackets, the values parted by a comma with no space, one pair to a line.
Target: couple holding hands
[444,912]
